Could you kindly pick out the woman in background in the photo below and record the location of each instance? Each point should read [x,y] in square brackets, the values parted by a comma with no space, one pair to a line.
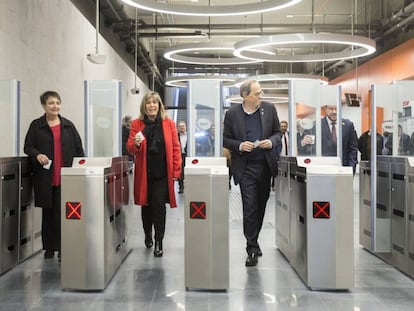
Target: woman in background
[153,140]
[51,143]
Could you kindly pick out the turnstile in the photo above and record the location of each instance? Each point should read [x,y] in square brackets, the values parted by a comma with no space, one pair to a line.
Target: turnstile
[394,217]
[96,203]
[30,224]
[206,208]
[9,211]
[318,237]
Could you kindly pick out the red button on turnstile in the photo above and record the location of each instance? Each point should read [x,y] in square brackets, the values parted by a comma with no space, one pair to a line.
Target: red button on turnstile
[321,210]
[73,210]
[198,210]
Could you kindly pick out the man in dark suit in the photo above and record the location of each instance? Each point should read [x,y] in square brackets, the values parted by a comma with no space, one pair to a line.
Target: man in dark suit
[252,134]
[182,138]
[329,137]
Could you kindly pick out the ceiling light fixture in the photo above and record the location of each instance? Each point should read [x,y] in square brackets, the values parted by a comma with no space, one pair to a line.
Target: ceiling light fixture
[181,81]
[223,50]
[357,47]
[207,10]
[283,77]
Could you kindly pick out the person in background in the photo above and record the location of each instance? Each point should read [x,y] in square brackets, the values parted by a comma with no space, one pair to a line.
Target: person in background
[403,142]
[153,140]
[182,137]
[364,145]
[386,147]
[411,145]
[329,138]
[252,134]
[51,142]
[227,155]
[305,137]
[126,125]
[283,148]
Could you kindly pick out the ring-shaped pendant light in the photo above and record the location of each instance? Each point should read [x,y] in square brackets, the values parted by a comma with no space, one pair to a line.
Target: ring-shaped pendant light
[181,81]
[265,48]
[283,77]
[217,10]
[177,53]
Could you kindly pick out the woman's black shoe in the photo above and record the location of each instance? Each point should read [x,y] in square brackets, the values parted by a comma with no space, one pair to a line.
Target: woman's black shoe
[49,254]
[158,249]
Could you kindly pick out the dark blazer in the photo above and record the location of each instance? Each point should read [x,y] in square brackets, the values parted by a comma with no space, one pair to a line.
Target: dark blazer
[349,142]
[364,145]
[234,134]
[39,139]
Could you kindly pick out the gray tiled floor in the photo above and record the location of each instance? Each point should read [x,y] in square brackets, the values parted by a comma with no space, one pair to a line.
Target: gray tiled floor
[147,283]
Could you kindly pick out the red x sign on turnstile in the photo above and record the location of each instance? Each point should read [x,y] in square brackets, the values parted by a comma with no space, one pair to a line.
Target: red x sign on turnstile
[198,210]
[321,210]
[73,210]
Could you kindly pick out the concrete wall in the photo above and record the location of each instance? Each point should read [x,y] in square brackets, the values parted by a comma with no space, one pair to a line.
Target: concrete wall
[44,45]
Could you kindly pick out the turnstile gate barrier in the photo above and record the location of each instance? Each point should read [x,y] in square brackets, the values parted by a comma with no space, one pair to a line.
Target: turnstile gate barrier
[317,214]
[95,206]
[206,208]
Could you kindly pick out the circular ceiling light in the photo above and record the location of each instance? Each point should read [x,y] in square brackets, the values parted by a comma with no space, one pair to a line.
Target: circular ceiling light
[181,81]
[206,53]
[207,10]
[270,48]
[283,77]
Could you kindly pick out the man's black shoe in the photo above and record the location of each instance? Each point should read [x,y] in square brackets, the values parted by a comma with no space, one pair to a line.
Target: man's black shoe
[49,254]
[259,253]
[251,260]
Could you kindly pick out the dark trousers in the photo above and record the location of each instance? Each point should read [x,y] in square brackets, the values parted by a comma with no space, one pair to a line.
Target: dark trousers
[154,213]
[181,180]
[255,191]
[51,223]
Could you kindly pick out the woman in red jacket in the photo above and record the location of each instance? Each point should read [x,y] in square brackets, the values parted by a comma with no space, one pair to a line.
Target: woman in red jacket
[153,141]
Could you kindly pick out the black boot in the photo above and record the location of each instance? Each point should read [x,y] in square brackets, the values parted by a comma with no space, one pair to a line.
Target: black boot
[158,249]
[148,240]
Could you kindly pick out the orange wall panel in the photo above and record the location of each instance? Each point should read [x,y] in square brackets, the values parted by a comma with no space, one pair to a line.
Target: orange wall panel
[396,64]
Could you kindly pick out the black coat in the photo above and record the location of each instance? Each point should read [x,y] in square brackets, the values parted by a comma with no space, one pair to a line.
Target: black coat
[234,134]
[39,139]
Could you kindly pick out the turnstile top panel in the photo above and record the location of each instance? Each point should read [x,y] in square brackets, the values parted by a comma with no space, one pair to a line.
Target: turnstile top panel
[313,161]
[403,160]
[204,170]
[205,165]
[329,170]
[88,162]
[89,166]
[9,159]
[205,161]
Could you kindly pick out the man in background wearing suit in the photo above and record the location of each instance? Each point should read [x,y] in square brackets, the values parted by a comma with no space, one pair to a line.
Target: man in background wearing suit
[329,137]
[252,134]
[182,138]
